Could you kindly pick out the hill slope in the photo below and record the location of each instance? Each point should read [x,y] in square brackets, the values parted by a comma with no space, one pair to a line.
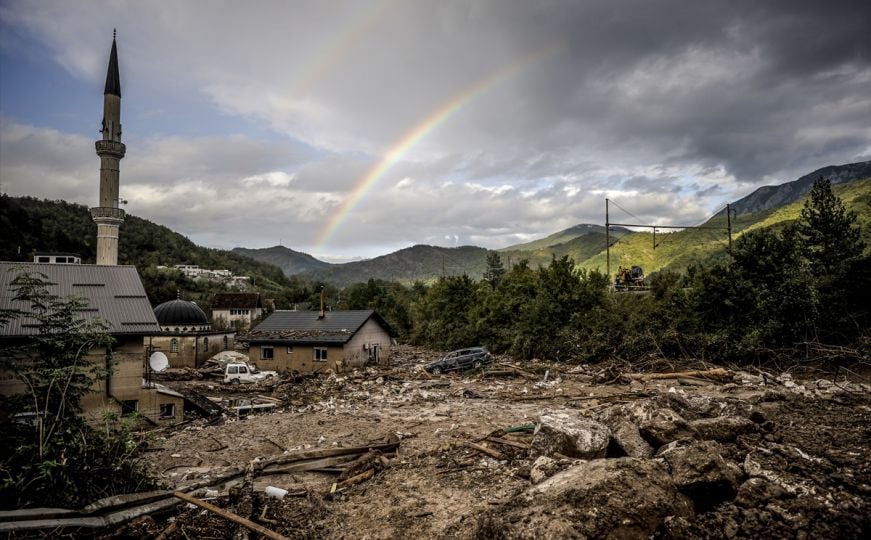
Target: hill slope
[417,263]
[291,262]
[30,224]
[768,197]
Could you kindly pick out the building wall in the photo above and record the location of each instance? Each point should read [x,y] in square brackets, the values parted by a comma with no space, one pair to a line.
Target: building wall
[125,384]
[192,351]
[223,319]
[371,333]
[298,358]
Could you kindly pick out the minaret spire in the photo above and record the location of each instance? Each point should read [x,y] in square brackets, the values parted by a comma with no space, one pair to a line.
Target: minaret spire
[111,150]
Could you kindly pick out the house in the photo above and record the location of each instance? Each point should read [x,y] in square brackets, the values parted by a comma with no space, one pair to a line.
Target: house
[312,341]
[236,310]
[186,337]
[114,294]
[57,258]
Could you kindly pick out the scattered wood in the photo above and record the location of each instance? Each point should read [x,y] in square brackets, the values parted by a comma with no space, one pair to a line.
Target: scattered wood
[167,532]
[715,373]
[362,477]
[506,442]
[248,524]
[221,446]
[495,454]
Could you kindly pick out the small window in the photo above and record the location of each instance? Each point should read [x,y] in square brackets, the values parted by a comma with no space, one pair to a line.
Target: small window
[173,345]
[266,353]
[320,354]
[129,406]
[226,343]
[206,343]
[290,349]
[243,369]
[44,259]
[167,410]
[60,259]
[233,370]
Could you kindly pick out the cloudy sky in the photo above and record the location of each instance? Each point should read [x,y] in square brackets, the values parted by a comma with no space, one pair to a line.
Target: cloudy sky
[349,129]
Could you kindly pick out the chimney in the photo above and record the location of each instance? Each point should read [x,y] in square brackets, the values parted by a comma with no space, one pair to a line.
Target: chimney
[321,315]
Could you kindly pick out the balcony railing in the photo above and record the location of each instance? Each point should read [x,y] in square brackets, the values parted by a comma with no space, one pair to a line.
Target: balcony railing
[110,147]
[107,212]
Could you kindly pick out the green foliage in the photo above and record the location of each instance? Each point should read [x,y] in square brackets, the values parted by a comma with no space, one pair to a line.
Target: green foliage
[50,456]
[495,270]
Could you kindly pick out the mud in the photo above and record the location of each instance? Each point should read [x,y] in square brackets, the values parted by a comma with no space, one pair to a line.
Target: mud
[792,460]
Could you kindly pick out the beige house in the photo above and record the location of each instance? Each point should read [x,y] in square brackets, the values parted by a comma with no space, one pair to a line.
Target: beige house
[115,295]
[236,310]
[313,342]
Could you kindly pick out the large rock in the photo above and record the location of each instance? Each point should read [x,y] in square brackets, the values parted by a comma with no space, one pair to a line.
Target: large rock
[606,498]
[699,470]
[628,439]
[658,424]
[564,431]
[542,469]
[723,428]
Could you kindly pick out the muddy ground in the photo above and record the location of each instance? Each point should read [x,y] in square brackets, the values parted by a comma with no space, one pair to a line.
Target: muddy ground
[753,454]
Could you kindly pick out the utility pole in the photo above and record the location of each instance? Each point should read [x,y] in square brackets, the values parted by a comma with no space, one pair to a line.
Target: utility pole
[607,243]
[729,225]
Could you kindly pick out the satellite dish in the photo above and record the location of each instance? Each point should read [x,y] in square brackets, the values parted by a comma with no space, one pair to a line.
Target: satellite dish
[158,362]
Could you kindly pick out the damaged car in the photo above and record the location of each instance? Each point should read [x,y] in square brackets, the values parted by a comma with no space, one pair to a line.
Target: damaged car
[461,359]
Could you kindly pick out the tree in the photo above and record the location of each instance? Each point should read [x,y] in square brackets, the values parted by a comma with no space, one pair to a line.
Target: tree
[495,270]
[49,455]
[827,229]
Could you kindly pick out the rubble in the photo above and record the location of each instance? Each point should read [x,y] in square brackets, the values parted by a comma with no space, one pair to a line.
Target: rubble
[564,432]
[540,452]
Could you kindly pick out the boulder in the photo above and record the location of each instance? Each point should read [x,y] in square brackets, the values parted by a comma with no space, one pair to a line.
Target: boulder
[543,468]
[604,498]
[628,439]
[565,432]
[723,428]
[757,492]
[658,425]
[699,470]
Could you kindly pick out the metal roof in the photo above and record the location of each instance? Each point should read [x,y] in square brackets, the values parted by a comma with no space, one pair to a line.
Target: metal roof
[304,327]
[114,293]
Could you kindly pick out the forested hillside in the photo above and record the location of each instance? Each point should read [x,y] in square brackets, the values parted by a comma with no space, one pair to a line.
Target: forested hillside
[31,224]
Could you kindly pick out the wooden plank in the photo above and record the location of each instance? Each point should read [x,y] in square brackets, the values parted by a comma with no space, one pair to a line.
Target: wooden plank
[495,454]
[248,524]
[506,442]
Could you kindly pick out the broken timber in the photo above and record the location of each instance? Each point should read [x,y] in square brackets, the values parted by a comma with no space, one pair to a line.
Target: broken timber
[248,524]
[114,509]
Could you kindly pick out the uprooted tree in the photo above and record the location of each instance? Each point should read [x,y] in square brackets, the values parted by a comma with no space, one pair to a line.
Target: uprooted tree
[50,455]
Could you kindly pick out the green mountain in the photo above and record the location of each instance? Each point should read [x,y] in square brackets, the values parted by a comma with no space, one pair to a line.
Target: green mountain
[417,263]
[562,237]
[30,225]
[579,242]
[677,250]
[768,197]
[291,262]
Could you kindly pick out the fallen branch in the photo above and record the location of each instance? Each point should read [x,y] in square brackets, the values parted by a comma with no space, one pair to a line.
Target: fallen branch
[362,477]
[715,373]
[506,442]
[248,524]
[495,454]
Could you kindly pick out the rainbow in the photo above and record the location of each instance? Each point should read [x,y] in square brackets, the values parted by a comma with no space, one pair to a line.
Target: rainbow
[418,133]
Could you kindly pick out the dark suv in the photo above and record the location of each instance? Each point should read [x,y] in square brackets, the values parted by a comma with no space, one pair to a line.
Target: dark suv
[472,357]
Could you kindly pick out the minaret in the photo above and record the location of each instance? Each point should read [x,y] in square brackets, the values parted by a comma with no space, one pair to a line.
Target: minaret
[108,216]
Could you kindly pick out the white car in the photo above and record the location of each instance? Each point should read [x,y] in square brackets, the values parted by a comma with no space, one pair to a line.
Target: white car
[235,373]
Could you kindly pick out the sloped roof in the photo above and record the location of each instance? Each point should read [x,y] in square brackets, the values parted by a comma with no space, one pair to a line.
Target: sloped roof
[114,294]
[236,301]
[304,327]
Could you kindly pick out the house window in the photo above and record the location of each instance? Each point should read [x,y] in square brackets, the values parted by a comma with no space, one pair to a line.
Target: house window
[44,259]
[129,406]
[320,354]
[226,343]
[289,349]
[167,410]
[266,353]
[173,345]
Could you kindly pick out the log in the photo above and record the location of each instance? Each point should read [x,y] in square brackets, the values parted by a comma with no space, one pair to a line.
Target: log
[715,373]
[506,442]
[495,454]
[362,477]
[230,516]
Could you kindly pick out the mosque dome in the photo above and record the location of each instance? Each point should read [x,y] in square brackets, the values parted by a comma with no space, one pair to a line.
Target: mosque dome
[181,313]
